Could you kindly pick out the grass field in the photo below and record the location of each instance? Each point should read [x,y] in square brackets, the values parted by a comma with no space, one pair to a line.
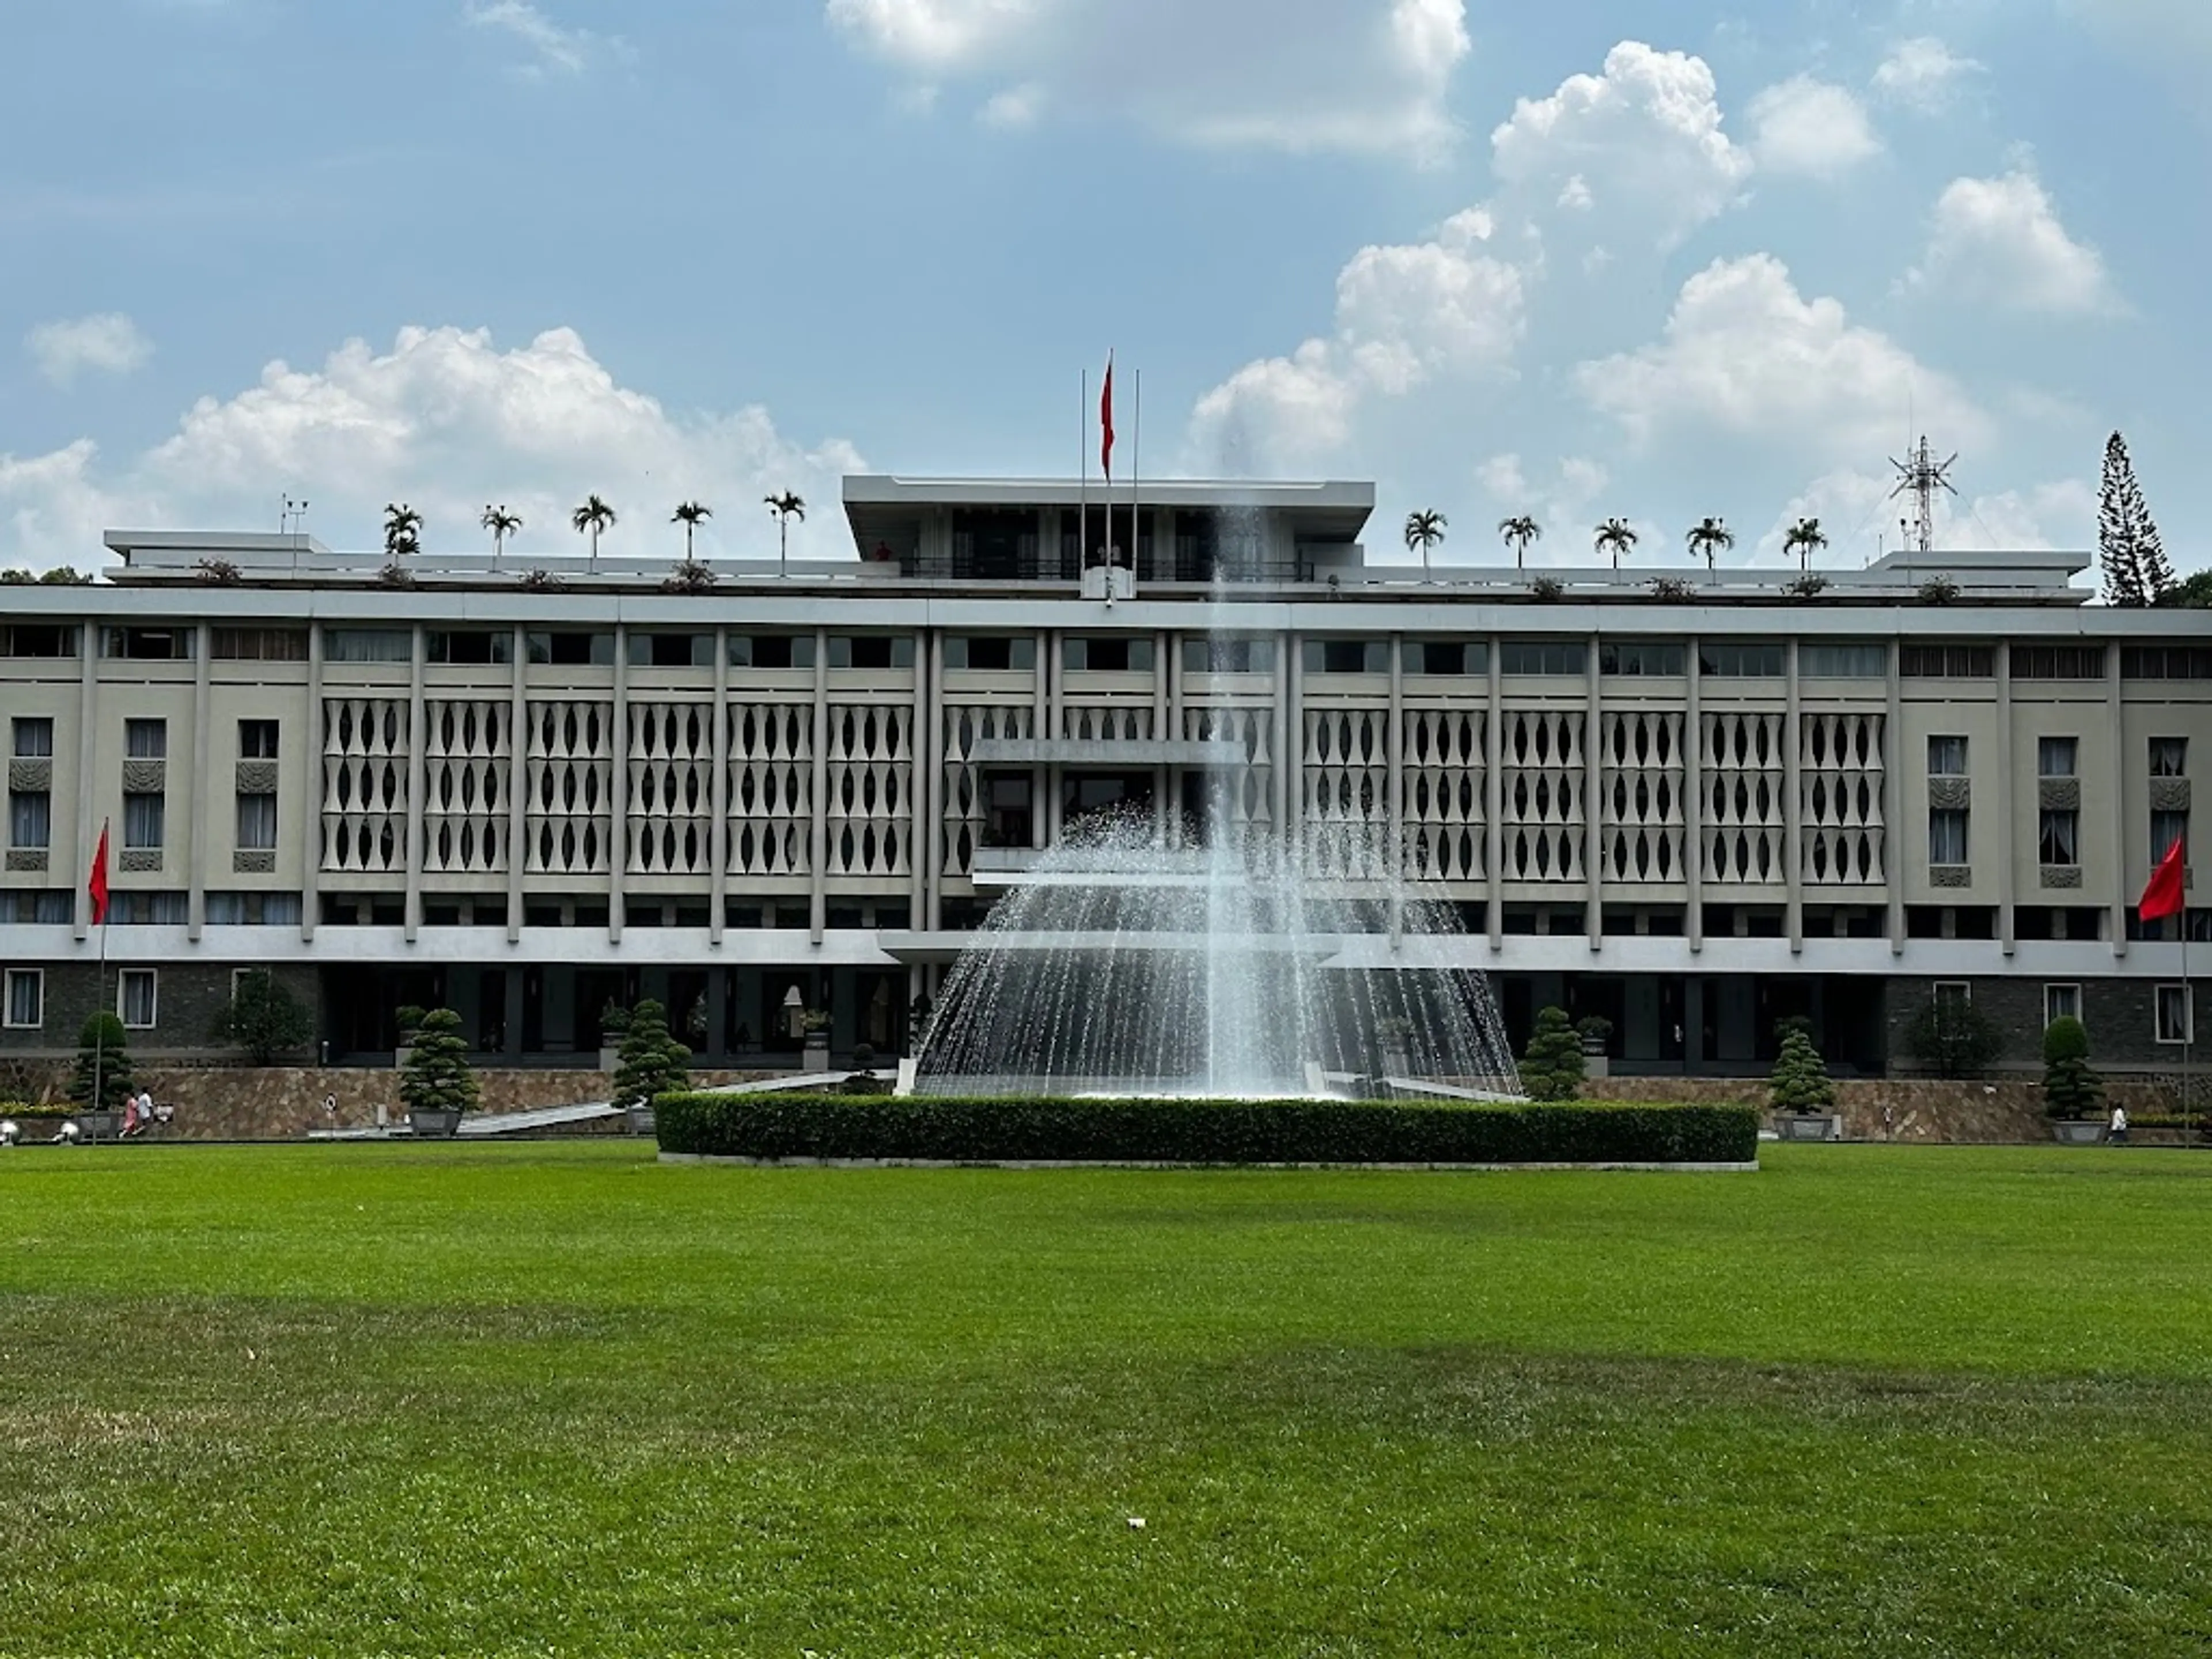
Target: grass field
[558,1399]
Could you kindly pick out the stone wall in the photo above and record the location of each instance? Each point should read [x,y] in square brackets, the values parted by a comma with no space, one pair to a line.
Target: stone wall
[1905,1108]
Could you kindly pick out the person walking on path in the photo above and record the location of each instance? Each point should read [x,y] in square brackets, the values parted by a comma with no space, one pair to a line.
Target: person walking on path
[2118,1134]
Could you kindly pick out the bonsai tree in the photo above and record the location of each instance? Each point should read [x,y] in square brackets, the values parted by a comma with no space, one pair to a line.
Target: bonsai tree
[653,1062]
[1592,1029]
[101,1049]
[2070,1089]
[1553,1068]
[1953,1039]
[438,1078]
[262,1018]
[1801,1081]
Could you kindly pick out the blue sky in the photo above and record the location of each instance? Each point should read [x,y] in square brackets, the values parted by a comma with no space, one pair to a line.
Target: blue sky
[1658,260]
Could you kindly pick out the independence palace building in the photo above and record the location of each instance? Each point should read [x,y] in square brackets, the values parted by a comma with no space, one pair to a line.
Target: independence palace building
[526,796]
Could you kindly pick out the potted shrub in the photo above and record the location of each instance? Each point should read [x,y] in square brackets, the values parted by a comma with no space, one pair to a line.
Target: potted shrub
[408,1018]
[653,1065]
[614,1026]
[2073,1094]
[816,1055]
[1802,1096]
[101,1049]
[438,1085]
[1593,1030]
[1553,1068]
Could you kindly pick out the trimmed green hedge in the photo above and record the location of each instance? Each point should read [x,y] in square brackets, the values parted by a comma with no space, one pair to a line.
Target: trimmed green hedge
[992,1130]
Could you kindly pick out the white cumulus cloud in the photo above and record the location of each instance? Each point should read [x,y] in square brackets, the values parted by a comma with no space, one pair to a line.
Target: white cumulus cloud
[448,422]
[1998,241]
[1810,127]
[1745,354]
[1922,73]
[106,342]
[1360,75]
[553,49]
[1861,517]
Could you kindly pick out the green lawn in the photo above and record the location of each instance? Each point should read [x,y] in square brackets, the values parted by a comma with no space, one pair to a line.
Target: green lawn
[558,1399]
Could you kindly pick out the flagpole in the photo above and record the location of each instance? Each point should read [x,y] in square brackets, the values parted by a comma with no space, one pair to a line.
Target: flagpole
[100,990]
[1136,436]
[1083,473]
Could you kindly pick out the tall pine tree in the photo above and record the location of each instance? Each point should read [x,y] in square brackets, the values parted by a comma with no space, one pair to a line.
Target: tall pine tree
[2129,548]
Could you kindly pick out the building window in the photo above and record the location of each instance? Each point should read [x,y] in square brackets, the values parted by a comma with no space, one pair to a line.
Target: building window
[1542,657]
[1730,661]
[257,739]
[2177,1014]
[570,650]
[369,644]
[146,740]
[135,1000]
[1946,662]
[2169,758]
[1631,657]
[771,650]
[1006,812]
[26,998]
[2166,662]
[672,650]
[2058,835]
[872,650]
[1227,653]
[253,910]
[168,908]
[2058,662]
[53,906]
[1842,662]
[1113,655]
[2054,758]
[147,644]
[30,819]
[38,640]
[35,737]
[2061,1002]
[2165,829]
[1946,835]
[259,645]
[1953,994]
[256,824]
[1460,657]
[994,653]
[1344,656]
[1947,757]
[470,646]
[145,816]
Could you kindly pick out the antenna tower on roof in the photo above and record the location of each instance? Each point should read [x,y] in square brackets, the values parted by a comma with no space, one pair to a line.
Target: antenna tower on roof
[1920,476]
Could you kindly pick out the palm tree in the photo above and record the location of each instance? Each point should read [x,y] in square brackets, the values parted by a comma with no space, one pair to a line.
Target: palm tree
[786,507]
[1806,538]
[1518,533]
[502,524]
[1616,537]
[594,515]
[403,527]
[1424,530]
[1709,536]
[688,515]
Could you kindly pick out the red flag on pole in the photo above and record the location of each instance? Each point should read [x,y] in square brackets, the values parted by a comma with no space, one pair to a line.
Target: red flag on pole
[2162,893]
[96,883]
[1106,420]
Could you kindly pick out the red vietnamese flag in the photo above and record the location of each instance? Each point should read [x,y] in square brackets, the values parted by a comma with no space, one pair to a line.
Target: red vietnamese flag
[2161,894]
[1106,421]
[96,883]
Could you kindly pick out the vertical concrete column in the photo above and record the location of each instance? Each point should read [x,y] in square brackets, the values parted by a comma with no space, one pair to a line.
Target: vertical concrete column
[1394,736]
[1893,798]
[1693,804]
[1055,727]
[1693,1024]
[317,787]
[2008,802]
[1593,798]
[2116,804]
[1493,797]
[928,721]
[518,814]
[718,1015]
[1171,670]
[1165,811]
[818,829]
[933,839]
[1285,751]
[718,822]
[1293,748]
[1793,806]
[87,755]
[1050,657]
[618,788]
[418,740]
[517,1009]
[205,791]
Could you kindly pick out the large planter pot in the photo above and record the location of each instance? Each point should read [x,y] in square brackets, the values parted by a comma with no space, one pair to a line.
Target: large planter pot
[639,1120]
[434,1125]
[2078,1132]
[816,1055]
[611,1059]
[98,1126]
[400,1056]
[1808,1126]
